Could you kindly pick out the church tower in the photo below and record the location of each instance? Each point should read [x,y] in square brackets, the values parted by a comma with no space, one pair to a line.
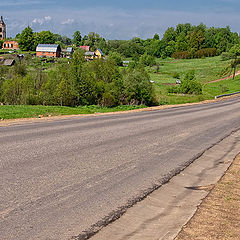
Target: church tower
[2,29]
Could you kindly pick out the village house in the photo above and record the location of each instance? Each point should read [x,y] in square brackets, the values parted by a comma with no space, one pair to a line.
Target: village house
[3,29]
[10,44]
[99,53]
[48,50]
[67,53]
[85,48]
[93,55]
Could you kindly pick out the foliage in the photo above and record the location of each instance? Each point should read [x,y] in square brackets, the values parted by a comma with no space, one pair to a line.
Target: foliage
[234,53]
[77,38]
[182,55]
[137,87]
[117,57]
[71,83]
[189,85]
[26,40]
[147,60]
[206,52]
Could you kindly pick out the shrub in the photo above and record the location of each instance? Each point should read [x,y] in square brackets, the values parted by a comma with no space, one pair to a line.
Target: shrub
[182,55]
[174,89]
[205,52]
[190,85]
[225,56]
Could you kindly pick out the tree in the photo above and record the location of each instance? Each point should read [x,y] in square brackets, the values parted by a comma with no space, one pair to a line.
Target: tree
[169,35]
[77,38]
[156,37]
[137,87]
[26,40]
[116,57]
[195,40]
[235,54]
[147,60]
[44,37]
[181,43]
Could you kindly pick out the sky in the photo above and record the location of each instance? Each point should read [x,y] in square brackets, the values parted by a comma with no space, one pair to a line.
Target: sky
[112,19]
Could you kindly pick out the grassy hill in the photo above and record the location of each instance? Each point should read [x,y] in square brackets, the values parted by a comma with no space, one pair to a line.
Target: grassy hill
[207,69]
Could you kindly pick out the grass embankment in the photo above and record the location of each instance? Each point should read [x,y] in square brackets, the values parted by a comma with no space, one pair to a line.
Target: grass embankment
[22,111]
[206,70]
[218,216]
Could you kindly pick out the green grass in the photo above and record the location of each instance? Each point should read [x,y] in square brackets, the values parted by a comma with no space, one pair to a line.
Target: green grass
[207,69]
[222,87]
[26,111]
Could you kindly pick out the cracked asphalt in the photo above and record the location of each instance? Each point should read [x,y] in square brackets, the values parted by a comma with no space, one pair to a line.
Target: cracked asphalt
[64,179]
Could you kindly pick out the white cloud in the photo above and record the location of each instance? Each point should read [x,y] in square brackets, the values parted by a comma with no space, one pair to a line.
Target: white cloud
[41,21]
[69,21]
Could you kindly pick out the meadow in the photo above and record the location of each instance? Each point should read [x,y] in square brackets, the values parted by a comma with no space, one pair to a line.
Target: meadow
[206,70]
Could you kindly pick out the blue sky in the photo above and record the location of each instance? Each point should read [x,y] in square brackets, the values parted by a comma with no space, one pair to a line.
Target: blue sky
[117,19]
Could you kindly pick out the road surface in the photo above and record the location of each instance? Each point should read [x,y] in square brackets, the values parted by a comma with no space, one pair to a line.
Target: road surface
[60,178]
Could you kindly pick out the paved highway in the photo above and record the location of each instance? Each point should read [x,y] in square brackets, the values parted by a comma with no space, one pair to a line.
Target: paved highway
[61,177]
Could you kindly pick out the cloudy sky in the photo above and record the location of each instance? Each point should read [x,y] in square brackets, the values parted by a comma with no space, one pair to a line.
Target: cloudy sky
[113,19]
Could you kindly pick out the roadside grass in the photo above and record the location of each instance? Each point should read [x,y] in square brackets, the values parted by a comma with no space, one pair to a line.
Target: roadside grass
[27,111]
[222,87]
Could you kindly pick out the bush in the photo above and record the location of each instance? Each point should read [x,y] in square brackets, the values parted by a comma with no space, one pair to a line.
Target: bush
[225,56]
[189,85]
[182,55]
[206,52]
[174,89]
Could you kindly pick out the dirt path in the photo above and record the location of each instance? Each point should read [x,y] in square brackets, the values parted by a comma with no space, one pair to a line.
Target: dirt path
[225,78]
[218,217]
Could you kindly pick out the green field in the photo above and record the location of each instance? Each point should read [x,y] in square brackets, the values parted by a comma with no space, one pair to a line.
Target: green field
[22,111]
[207,69]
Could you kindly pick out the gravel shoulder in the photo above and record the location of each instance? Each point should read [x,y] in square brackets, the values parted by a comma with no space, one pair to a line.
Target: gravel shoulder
[218,217]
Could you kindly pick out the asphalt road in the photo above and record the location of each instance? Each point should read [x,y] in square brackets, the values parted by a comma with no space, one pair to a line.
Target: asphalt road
[59,178]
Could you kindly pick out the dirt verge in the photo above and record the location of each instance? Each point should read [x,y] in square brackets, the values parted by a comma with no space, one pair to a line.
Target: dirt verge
[218,217]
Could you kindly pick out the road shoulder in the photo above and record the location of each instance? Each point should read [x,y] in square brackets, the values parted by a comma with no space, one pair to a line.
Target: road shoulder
[164,212]
[218,216]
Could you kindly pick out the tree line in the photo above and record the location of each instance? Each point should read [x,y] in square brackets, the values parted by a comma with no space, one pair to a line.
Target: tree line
[183,41]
